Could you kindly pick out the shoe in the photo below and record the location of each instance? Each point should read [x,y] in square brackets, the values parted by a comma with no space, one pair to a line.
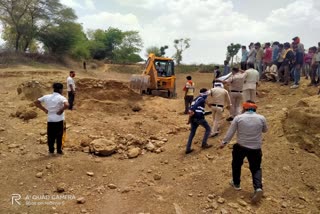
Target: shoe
[206,146]
[214,135]
[189,151]
[258,193]
[294,86]
[236,187]
[60,153]
[229,119]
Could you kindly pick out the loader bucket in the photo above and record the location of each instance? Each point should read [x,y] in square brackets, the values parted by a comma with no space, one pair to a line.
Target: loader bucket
[139,83]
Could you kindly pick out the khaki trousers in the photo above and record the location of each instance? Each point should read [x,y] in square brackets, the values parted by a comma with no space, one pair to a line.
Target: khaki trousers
[216,116]
[236,99]
[249,94]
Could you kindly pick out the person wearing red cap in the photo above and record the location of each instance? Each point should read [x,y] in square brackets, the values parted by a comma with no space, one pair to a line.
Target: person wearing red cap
[249,127]
[300,46]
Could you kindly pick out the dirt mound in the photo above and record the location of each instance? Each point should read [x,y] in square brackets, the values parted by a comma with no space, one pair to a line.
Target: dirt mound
[31,90]
[107,96]
[302,124]
[106,90]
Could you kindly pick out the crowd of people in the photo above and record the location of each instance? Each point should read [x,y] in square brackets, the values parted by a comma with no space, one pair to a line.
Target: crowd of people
[275,62]
[283,62]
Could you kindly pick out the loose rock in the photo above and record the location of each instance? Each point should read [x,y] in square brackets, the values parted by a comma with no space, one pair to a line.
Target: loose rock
[81,200]
[103,147]
[39,175]
[221,200]
[112,186]
[156,177]
[61,187]
[90,173]
[134,152]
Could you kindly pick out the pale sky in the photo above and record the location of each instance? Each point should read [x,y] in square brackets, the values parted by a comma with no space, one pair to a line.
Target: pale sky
[210,24]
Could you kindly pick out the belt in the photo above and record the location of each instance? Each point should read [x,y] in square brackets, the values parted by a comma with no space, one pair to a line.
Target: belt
[217,105]
[236,91]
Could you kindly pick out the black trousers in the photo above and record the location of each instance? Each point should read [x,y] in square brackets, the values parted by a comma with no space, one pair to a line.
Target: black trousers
[187,103]
[243,65]
[70,99]
[254,157]
[55,132]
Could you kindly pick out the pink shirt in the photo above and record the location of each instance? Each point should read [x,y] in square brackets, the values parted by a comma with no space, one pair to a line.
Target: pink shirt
[268,55]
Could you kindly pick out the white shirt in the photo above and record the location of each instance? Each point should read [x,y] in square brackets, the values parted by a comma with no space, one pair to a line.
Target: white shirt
[251,79]
[54,103]
[70,81]
[249,126]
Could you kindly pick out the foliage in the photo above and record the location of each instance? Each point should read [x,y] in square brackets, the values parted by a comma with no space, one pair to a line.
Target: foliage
[130,45]
[64,38]
[232,50]
[163,50]
[23,20]
[153,49]
[180,45]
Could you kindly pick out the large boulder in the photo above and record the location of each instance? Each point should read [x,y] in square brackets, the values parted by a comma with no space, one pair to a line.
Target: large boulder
[102,147]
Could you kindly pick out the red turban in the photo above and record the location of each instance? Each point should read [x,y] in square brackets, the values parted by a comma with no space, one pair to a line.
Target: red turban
[247,106]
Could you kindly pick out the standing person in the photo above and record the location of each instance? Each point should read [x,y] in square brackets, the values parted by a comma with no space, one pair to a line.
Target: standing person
[275,52]
[85,65]
[236,82]
[314,66]
[259,57]
[55,105]
[251,82]
[300,46]
[226,68]
[252,54]
[196,118]
[280,65]
[298,62]
[287,63]
[249,127]
[71,87]
[244,57]
[218,98]
[307,63]
[189,93]
[267,57]
[216,72]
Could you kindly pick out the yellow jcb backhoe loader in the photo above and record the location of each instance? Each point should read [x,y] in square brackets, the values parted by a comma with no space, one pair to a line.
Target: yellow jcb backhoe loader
[158,76]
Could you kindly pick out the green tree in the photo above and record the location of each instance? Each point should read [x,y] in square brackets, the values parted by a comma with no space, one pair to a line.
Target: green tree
[163,50]
[128,50]
[153,49]
[104,42]
[180,45]
[22,20]
[63,39]
[232,50]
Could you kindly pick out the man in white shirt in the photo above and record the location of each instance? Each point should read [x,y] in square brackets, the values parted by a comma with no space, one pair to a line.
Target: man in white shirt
[71,87]
[55,105]
[250,83]
[249,127]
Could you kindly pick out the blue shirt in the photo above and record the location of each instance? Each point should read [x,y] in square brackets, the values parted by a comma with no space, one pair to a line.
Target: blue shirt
[226,70]
[275,53]
[244,56]
[198,106]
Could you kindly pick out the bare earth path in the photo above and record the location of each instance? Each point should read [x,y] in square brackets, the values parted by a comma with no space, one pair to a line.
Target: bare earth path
[153,183]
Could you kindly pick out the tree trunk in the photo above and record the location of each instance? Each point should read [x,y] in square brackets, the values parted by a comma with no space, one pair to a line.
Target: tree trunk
[17,41]
[231,62]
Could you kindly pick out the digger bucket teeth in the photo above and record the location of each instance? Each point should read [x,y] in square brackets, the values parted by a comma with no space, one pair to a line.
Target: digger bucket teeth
[139,83]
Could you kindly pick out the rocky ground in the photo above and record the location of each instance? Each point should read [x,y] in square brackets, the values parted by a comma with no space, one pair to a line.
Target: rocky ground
[146,170]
